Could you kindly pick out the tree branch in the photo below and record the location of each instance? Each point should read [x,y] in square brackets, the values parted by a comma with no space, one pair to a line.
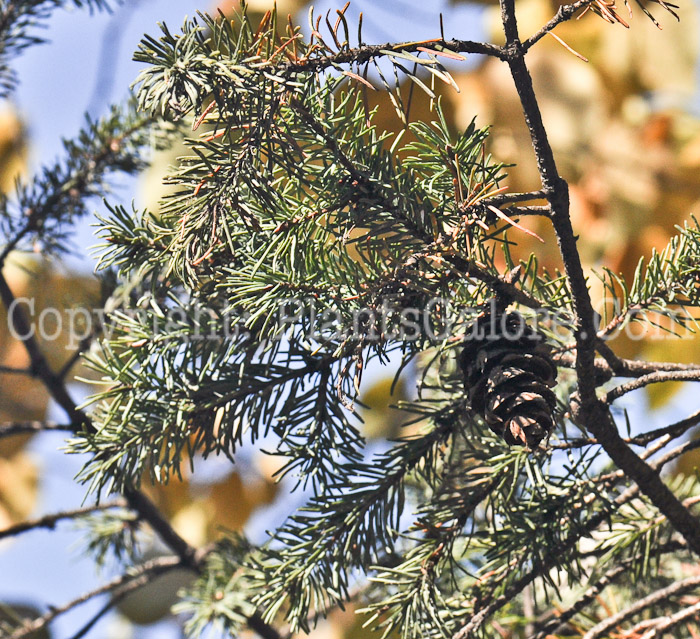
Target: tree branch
[367,53]
[49,521]
[122,585]
[588,410]
[659,596]
[20,428]
[564,13]
[652,378]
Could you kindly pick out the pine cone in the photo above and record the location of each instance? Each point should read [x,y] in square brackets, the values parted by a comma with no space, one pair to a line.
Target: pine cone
[508,373]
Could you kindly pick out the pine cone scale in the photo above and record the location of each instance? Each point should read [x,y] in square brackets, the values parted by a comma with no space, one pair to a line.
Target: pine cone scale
[509,375]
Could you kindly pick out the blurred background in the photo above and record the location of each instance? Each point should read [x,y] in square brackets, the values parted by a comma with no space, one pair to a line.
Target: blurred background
[625,127]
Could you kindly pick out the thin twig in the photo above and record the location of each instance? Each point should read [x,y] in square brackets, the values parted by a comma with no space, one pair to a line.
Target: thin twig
[659,596]
[513,198]
[653,378]
[11,370]
[542,211]
[140,576]
[558,625]
[20,428]
[667,623]
[672,431]
[50,521]
[564,13]
[77,354]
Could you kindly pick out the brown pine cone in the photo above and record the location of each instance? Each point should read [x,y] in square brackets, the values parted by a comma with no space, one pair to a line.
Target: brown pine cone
[509,375]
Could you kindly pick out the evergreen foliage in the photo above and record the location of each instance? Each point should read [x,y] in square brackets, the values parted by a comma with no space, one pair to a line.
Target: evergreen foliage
[19,22]
[299,245]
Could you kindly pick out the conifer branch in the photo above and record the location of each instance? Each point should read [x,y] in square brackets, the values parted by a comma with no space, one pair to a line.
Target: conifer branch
[58,196]
[652,378]
[20,428]
[17,19]
[657,597]
[590,411]
[186,554]
[120,586]
[50,521]
[296,196]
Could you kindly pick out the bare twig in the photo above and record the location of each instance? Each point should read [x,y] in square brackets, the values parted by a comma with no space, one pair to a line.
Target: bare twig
[21,428]
[50,521]
[673,430]
[77,354]
[564,13]
[522,211]
[39,365]
[652,378]
[624,367]
[601,629]
[129,582]
[513,198]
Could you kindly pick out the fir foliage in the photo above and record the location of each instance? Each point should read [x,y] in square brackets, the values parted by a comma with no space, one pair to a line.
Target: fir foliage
[293,205]
[19,23]
[294,249]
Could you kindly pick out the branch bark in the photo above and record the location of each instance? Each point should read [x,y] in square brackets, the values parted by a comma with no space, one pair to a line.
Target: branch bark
[188,556]
[589,410]
[50,521]
[659,596]
[121,585]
